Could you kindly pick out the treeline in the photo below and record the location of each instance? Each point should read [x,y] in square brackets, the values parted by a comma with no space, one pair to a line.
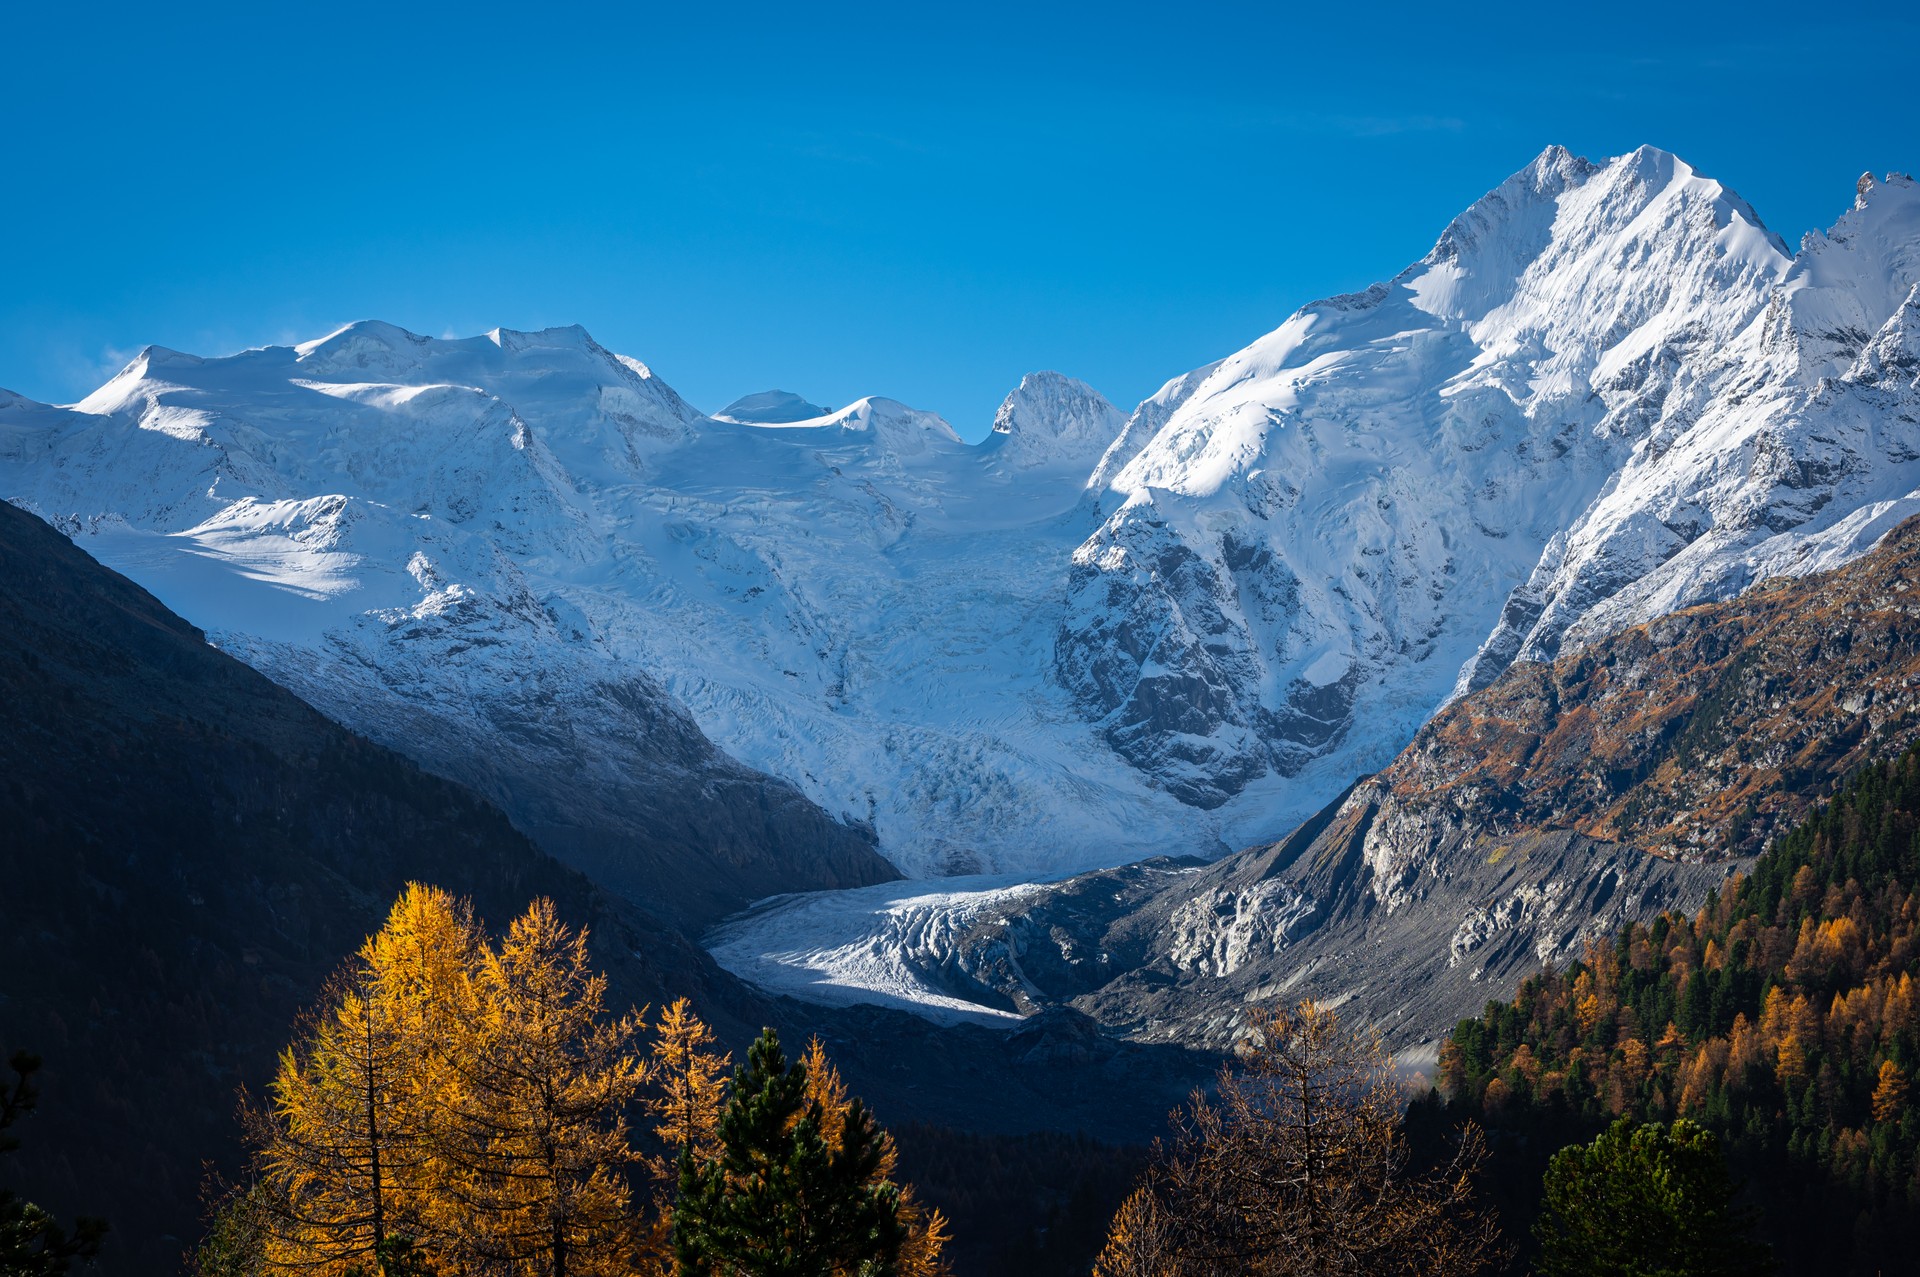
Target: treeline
[1302,1163]
[461,1106]
[1782,1016]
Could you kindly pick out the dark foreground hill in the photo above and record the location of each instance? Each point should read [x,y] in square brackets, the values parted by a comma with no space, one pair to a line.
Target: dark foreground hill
[186,852]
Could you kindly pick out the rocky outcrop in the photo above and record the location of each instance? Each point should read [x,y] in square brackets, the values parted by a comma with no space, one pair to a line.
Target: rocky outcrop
[1528,818]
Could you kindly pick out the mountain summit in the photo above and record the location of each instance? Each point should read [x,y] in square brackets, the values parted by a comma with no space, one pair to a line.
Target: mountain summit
[770,407]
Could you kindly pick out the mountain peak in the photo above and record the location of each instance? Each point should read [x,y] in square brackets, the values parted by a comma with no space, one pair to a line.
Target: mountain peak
[772,408]
[568,337]
[365,346]
[1051,417]
[892,420]
[1550,174]
[1035,405]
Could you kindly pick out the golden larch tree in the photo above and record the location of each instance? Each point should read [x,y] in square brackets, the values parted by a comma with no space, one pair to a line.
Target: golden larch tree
[543,1152]
[690,1081]
[1889,1093]
[346,1151]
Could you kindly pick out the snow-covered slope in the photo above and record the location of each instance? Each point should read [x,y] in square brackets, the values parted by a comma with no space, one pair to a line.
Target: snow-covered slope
[1600,396]
[1606,391]
[770,408]
[526,561]
[374,523]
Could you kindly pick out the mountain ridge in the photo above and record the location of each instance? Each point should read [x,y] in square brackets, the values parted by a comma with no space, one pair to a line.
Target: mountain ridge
[1608,392]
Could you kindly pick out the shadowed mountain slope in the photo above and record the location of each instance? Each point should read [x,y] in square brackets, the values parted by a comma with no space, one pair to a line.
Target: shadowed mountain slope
[189,850]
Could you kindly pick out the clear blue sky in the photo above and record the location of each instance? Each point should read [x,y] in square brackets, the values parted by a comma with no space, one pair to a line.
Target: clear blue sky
[922,201]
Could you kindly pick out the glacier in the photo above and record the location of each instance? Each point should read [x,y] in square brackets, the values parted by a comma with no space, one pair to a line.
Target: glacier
[1607,392]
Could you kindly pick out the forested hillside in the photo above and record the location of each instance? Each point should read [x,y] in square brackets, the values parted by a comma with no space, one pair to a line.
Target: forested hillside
[1782,1015]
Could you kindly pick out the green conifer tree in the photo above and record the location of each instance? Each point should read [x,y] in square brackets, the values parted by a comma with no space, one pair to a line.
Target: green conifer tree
[32,1243]
[1645,1201]
[779,1199]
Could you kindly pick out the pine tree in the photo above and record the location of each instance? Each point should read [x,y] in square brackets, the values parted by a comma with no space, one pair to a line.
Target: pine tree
[235,1241]
[780,1200]
[1645,1199]
[922,1251]
[32,1243]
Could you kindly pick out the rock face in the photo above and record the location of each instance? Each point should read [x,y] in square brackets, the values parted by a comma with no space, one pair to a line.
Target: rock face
[1628,776]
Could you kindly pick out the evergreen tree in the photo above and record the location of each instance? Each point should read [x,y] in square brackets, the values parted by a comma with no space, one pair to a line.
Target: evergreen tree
[32,1243]
[235,1241]
[923,1230]
[1645,1201]
[782,1199]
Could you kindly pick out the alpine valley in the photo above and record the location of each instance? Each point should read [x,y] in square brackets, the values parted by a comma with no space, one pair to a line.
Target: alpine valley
[1439,631]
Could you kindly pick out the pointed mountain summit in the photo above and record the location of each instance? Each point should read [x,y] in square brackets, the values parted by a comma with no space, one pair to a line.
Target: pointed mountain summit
[1422,482]
[1051,419]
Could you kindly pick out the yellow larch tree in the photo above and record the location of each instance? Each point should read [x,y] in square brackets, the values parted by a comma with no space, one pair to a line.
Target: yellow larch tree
[690,1081]
[1140,1241]
[689,1090]
[1889,1093]
[345,1145]
[543,1153]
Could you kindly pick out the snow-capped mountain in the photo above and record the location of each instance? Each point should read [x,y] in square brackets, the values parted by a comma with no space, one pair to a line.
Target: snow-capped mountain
[1607,391]
[527,562]
[770,408]
[372,521]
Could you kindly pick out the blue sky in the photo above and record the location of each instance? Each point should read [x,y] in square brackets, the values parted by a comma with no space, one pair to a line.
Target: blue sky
[922,201]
